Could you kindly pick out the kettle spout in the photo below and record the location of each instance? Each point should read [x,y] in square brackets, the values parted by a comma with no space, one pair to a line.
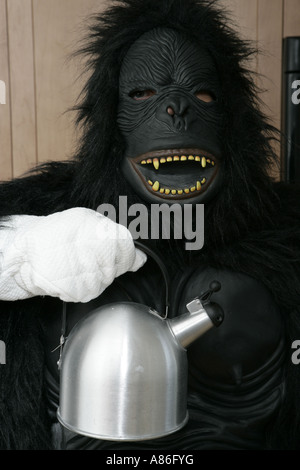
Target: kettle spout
[199,319]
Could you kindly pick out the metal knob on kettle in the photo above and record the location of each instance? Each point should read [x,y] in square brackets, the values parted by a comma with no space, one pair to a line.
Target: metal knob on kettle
[124,370]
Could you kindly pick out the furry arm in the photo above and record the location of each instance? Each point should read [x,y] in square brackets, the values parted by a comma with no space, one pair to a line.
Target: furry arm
[74,255]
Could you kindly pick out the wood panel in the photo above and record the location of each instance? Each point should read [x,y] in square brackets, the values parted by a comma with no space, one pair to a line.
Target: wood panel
[57,28]
[270,18]
[23,119]
[291,24]
[243,15]
[5,126]
[269,37]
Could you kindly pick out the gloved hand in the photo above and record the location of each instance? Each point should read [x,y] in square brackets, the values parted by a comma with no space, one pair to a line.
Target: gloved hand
[73,255]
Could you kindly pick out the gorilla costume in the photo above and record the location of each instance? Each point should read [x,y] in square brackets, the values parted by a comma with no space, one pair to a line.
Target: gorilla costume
[169,114]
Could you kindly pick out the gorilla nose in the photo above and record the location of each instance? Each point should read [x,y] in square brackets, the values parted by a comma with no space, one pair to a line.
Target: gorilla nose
[175,113]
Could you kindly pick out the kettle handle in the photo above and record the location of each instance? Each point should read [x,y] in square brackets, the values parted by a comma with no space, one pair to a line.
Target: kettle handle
[163,269]
[165,273]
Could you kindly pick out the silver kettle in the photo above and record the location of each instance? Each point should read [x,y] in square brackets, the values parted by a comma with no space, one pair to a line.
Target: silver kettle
[123,369]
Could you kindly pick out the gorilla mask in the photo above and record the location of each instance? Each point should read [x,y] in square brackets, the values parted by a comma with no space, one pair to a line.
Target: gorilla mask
[170,117]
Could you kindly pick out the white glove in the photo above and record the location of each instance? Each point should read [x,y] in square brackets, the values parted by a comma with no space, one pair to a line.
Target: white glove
[73,255]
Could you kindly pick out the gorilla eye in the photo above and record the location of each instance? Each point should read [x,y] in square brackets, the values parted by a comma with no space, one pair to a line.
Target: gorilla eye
[205,95]
[140,95]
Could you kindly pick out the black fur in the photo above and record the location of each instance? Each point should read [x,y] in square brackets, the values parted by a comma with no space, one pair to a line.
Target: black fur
[24,424]
[252,225]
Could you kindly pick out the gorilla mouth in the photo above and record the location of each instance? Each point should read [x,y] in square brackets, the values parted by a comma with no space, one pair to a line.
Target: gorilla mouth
[176,173]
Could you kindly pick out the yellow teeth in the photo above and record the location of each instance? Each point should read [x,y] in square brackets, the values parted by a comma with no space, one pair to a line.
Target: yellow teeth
[155,187]
[156,163]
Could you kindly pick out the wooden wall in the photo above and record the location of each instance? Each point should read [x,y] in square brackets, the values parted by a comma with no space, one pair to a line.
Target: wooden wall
[36,38]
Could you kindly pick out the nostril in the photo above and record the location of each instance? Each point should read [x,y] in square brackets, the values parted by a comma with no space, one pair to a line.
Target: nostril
[175,113]
[170,111]
[179,124]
